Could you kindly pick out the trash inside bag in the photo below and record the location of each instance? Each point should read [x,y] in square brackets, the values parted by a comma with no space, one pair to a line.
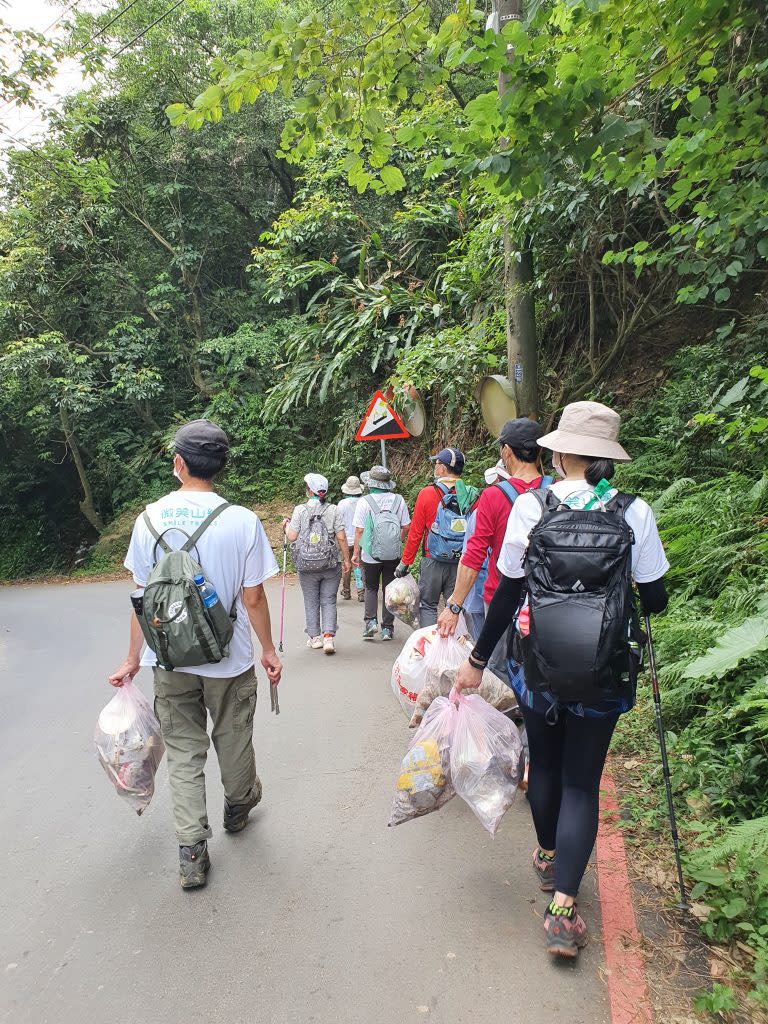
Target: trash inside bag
[402,599]
[427,658]
[486,759]
[491,689]
[424,782]
[129,745]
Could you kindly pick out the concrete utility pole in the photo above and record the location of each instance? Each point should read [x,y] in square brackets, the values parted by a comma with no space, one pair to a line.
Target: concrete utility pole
[522,351]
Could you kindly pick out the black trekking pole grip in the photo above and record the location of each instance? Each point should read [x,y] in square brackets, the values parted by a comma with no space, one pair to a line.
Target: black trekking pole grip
[683,902]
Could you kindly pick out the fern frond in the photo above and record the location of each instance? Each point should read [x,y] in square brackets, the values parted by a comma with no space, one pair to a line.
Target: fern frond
[747,837]
[670,493]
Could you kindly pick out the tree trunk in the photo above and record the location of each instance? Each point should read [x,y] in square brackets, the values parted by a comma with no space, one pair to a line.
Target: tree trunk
[522,349]
[87,505]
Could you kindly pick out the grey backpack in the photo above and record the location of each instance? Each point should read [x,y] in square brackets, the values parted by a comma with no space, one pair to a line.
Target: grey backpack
[315,547]
[179,625]
[386,545]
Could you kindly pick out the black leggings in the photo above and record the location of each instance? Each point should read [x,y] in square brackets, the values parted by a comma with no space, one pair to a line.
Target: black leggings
[566,764]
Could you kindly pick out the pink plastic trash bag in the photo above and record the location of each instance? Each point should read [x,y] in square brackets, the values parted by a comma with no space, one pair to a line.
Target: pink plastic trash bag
[486,759]
[427,657]
[424,781]
[129,745]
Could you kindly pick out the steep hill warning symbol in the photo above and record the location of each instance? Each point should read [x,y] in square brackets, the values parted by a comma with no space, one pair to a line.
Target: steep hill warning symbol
[381,422]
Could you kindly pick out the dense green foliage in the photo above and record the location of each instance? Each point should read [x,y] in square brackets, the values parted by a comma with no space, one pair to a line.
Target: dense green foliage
[261,212]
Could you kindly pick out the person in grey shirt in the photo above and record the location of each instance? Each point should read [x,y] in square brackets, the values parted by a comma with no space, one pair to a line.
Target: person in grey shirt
[320,586]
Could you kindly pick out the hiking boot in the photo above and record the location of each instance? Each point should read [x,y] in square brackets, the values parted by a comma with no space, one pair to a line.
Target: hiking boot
[371,629]
[565,930]
[328,645]
[387,633]
[194,864]
[236,815]
[545,871]
[315,642]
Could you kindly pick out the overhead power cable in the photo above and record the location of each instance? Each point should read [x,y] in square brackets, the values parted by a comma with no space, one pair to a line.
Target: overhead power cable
[143,32]
[117,17]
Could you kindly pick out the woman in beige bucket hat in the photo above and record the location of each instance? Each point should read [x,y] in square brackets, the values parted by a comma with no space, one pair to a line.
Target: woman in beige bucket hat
[568,741]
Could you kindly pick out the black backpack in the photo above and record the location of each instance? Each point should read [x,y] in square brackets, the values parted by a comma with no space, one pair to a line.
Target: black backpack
[584,630]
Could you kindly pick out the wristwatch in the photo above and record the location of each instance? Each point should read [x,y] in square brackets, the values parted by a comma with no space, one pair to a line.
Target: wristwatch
[455,609]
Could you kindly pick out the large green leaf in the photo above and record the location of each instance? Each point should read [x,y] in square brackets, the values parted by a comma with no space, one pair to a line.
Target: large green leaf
[737,645]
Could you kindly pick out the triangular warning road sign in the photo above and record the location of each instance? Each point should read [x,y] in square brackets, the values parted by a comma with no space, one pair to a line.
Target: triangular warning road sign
[381,422]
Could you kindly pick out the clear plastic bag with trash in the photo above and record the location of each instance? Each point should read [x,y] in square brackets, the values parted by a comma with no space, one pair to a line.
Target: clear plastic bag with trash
[424,780]
[402,599]
[129,745]
[486,759]
[428,658]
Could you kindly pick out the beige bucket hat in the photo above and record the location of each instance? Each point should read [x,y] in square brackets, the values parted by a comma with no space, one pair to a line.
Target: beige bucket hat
[587,428]
[352,486]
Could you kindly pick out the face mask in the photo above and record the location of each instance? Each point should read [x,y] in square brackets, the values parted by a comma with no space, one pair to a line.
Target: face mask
[557,465]
[177,475]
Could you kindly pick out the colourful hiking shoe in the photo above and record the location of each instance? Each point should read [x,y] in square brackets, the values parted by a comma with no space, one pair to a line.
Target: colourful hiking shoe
[565,930]
[545,870]
[387,633]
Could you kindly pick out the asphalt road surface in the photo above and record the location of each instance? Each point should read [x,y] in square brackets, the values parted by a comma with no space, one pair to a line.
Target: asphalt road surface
[316,913]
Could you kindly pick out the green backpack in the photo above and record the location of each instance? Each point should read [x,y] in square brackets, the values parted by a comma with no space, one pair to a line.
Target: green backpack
[178,625]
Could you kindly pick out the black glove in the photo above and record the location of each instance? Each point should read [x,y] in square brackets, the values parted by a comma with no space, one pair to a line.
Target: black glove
[402,570]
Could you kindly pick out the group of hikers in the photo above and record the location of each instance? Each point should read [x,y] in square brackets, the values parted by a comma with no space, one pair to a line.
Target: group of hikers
[558,552]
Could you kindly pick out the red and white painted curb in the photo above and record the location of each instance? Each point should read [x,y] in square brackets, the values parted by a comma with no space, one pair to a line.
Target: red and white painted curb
[628,993]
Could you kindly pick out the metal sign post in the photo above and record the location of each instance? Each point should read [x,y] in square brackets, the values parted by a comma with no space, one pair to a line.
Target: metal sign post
[384,453]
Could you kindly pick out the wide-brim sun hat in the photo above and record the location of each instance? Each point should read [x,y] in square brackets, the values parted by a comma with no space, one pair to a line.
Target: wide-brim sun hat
[352,487]
[589,429]
[379,478]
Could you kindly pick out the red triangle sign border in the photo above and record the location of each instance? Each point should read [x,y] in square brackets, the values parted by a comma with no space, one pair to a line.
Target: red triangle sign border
[393,435]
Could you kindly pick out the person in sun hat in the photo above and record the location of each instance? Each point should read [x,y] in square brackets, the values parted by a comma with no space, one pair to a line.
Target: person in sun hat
[238,560]
[316,531]
[447,497]
[353,491]
[516,472]
[569,740]
[381,522]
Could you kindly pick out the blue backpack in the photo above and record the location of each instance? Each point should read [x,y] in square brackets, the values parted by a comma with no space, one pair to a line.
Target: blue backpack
[511,494]
[447,533]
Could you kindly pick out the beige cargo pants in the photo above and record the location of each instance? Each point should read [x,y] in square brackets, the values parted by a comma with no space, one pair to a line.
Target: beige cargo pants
[182,704]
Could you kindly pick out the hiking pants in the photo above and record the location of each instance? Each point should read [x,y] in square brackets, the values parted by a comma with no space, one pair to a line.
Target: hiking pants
[566,765]
[321,589]
[347,579]
[378,575]
[436,580]
[182,704]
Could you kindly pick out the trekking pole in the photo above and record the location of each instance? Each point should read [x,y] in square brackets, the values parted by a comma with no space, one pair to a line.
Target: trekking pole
[282,594]
[683,903]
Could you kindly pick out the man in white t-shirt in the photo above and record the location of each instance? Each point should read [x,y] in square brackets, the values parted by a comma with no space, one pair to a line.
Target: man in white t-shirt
[353,490]
[237,560]
[377,575]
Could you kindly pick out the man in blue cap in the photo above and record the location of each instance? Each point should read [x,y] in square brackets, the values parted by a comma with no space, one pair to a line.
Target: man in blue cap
[439,527]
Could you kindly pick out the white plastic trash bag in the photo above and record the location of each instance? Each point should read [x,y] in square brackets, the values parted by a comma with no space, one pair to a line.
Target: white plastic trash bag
[129,745]
[491,689]
[402,599]
[424,781]
[427,658]
[486,759]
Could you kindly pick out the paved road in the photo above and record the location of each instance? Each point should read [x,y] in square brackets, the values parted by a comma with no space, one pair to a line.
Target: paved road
[316,913]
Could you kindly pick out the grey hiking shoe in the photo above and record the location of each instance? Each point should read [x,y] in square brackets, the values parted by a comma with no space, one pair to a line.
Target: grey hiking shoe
[236,815]
[545,871]
[371,629]
[194,865]
[387,633]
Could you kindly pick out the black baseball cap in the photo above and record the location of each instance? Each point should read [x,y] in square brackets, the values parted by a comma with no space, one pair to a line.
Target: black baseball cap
[520,433]
[201,437]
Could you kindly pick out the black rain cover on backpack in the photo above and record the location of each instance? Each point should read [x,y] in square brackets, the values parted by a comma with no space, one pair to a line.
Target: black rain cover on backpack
[578,572]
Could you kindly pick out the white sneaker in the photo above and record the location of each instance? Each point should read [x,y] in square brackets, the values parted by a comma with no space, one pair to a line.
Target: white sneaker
[328,645]
[315,642]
